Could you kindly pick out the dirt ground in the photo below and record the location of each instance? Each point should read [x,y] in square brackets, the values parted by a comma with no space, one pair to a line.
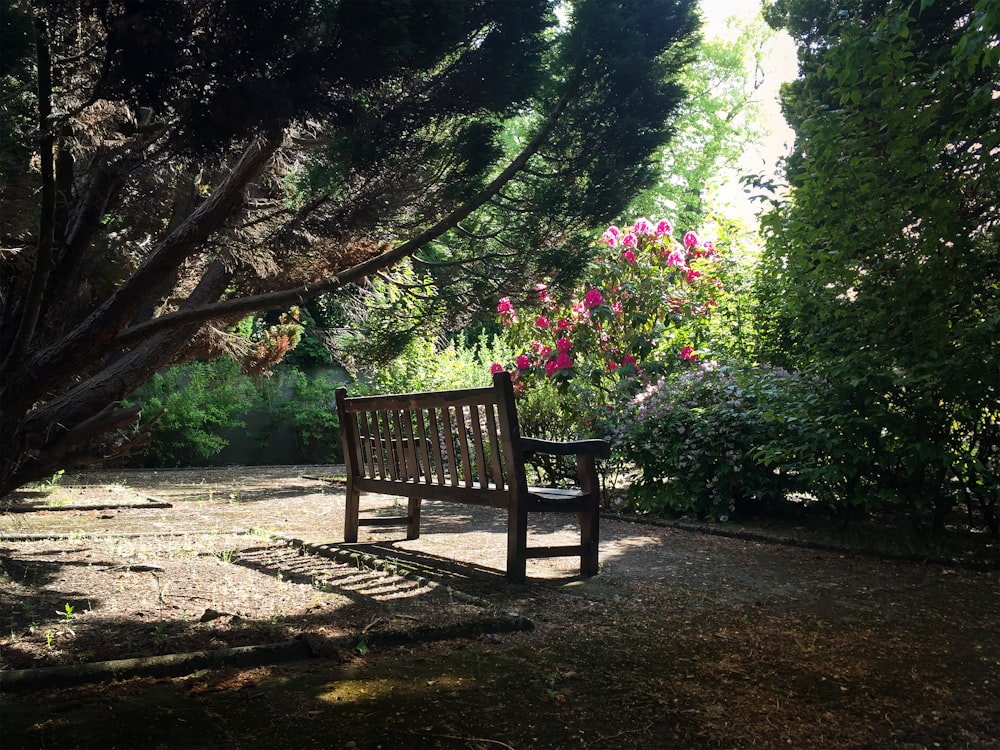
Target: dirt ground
[684,639]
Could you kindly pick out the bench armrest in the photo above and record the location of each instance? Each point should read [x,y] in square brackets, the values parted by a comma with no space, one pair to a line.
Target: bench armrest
[596,448]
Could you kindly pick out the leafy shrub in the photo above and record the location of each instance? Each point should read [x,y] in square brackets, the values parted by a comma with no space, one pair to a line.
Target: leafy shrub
[311,407]
[425,366]
[195,403]
[695,438]
[868,446]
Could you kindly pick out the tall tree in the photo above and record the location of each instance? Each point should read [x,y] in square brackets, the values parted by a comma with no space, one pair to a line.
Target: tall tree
[718,121]
[192,162]
[883,266]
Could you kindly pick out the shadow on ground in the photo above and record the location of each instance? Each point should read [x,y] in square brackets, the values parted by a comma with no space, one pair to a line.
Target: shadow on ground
[684,640]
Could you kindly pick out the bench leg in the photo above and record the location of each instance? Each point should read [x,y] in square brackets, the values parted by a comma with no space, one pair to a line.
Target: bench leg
[589,542]
[351,514]
[517,542]
[413,518]
[590,520]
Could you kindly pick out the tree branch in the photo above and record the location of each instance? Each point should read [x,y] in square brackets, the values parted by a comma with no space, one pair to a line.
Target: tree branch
[48,366]
[234,308]
[44,261]
[57,451]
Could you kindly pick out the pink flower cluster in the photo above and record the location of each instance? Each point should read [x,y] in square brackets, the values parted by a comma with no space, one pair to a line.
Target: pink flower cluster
[614,237]
[658,282]
[506,310]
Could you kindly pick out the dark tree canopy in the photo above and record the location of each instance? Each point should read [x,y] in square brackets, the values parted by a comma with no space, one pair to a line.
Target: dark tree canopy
[168,168]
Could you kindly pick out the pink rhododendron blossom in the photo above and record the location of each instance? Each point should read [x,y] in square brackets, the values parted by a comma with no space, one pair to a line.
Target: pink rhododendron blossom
[632,275]
[593,298]
[676,259]
[495,368]
[506,310]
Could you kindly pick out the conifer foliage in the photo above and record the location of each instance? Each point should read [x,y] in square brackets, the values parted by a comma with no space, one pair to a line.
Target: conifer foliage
[168,168]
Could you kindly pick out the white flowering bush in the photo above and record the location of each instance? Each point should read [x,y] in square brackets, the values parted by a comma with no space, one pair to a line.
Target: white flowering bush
[696,438]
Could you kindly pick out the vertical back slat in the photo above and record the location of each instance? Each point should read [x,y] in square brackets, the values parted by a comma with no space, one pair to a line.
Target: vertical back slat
[388,448]
[496,466]
[433,415]
[449,443]
[398,448]
[376,439]
[378,444]
[463,444]
[477,444]
[412,465]
[425,456]
[367,454]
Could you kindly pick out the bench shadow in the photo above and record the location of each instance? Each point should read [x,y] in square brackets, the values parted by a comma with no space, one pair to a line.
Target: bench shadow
[457,574]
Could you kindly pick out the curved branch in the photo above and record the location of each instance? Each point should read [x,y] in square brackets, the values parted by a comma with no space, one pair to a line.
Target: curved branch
[233,308]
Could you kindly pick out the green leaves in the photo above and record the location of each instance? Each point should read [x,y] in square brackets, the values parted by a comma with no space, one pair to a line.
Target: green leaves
[885,245]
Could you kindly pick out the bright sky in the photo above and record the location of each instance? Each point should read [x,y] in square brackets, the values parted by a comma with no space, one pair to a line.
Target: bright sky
[782,67]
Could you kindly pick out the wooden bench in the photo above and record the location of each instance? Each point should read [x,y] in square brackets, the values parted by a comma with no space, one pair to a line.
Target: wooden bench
[463,446]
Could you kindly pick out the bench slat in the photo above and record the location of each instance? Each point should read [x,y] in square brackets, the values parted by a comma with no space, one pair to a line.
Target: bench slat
[496,448]
[435,446]
[368,456]
[478,447]
[420,436]
[462,435]
[563,551]
[398,446]
[490,496]
[423,400]
[449,441]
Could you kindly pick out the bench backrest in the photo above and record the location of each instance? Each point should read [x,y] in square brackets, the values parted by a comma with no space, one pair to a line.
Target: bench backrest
[456,444]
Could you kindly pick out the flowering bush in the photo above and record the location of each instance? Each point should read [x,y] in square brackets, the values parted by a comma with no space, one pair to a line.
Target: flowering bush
[643,288]
[696,438]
